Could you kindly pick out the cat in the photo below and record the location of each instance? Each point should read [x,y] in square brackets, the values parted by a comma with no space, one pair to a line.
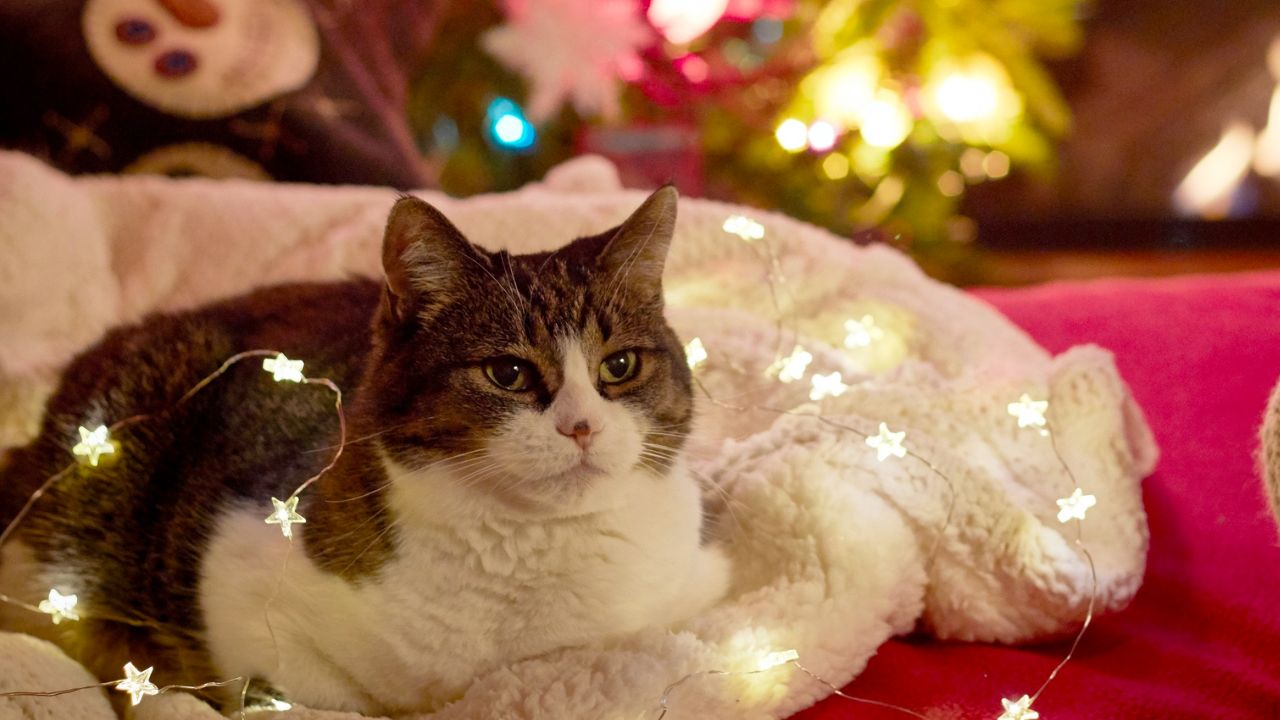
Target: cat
[514,483]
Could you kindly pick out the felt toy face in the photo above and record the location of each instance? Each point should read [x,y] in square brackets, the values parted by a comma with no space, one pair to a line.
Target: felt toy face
[202,58]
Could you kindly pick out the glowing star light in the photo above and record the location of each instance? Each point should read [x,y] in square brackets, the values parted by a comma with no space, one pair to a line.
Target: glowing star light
[60,607]
[1030,413]
[792,367]
[1019,709]
[282,368]
[137,684]
[776,658]
[888,443]
[744,227]
[826,386]
[861,332]
[695,353]
[94,445]
[1075,506]
[285,515]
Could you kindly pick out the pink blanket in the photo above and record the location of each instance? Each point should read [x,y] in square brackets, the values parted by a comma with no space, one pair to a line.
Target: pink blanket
[1202,637]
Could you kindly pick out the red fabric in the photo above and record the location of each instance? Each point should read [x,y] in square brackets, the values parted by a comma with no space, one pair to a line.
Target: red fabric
[1202,637]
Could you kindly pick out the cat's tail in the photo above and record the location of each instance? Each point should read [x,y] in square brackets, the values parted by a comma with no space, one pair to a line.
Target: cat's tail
[1270,453]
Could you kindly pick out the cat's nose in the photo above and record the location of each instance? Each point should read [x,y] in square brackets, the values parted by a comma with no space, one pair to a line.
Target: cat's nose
[580,431]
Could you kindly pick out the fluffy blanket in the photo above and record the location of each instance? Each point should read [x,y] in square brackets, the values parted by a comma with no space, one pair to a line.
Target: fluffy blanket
[834,550]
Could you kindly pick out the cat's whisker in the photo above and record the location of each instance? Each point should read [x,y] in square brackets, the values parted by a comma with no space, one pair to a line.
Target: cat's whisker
[389,483]
[360,439]
[390,526]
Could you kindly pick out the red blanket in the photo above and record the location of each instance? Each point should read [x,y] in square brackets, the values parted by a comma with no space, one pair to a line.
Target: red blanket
[1202,637]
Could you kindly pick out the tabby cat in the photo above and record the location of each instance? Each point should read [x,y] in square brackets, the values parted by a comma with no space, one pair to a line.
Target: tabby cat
[514,480]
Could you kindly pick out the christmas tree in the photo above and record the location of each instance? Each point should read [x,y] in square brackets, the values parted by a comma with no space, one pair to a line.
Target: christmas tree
[856,115]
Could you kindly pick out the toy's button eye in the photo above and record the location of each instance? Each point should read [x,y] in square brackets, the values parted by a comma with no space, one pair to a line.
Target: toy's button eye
[135,31]
[176,63]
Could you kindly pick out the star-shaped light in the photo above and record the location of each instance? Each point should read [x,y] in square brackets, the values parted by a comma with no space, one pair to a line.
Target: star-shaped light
[1030,413]
[695,354]
[791,367]
[778,657]
[285,515]
[60,607]
[137,684]
[826,386]
[95,444]
[1075,506]
[282,368]
[1019,709]
[744,227]
[887,443]
[862,332]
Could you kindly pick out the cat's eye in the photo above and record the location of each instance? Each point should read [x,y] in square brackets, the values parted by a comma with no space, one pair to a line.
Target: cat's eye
[509,373]
[619,367]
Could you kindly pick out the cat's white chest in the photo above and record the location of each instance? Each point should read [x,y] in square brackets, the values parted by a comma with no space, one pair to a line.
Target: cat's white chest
[466,592]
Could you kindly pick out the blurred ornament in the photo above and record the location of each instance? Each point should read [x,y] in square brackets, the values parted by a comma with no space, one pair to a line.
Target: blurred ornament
[569,50]
[681,21]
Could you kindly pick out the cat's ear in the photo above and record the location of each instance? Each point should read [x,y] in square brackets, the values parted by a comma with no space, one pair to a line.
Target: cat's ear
[424,257]
[637,252]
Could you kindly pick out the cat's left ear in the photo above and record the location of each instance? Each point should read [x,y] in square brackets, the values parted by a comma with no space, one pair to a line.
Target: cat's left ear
[637,252]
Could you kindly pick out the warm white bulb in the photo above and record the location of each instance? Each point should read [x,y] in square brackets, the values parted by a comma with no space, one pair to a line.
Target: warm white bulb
[1074,506]
[282,368]
[778,657]
[830,385]
[94,444]
[861,332]
[1019,709]
[744,227]
[1030,413]
[137,683]
[695,354]
[59,607]
[888,442]
[792,367]
[285,514]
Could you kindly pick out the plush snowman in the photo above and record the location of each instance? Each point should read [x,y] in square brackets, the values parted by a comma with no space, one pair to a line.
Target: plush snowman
[202,58]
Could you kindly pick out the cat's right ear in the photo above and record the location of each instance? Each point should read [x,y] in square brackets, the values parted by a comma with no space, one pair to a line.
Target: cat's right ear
[424,257]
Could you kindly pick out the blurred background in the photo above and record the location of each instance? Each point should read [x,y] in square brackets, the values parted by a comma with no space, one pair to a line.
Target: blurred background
[998,141]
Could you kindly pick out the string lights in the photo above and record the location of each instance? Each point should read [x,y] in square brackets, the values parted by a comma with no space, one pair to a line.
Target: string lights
[98,442]
[861,332]
[888,443]
[94,444]
[864,332]
[59,607]
[285,515]
[824,386]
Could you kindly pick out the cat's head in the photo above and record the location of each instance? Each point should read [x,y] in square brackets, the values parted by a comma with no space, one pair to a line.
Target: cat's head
[543,380]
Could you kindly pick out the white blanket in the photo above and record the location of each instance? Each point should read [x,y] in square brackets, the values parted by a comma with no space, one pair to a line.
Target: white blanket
[834,551]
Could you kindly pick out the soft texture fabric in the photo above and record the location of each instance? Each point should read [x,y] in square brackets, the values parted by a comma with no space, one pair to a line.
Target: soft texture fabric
[834,551]
[1202,637]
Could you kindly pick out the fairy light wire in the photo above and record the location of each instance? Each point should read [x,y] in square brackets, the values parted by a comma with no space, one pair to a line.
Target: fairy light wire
[1024,420]
[48,483]
[775,278]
